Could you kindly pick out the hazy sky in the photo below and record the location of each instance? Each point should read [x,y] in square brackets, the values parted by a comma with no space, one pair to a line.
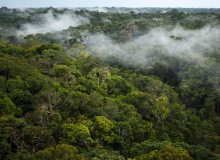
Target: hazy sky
[110,3]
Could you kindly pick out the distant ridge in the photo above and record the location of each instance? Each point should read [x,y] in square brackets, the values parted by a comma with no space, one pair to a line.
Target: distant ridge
[127,9]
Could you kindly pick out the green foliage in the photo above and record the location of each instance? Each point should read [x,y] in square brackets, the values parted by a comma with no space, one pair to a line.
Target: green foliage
[103,154]
[50,57]
[167,153]
[77,131]
[195,151]
[25,155]
[30,37]
[11,67]
[117,85]
[2,41]
[158,107]
[10,134]
[29,44]
[103,128]
[46,47]
[62,151]
[8,107]
[15,51]
[139,96]
[77,37]
[38,138]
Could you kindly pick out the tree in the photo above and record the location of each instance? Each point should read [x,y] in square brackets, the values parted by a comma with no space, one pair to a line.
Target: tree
[108,156]
[61,151]
[168,152]
[65,74]
[2,41]
[43,116]
[13,39]
[118,85]
[79,132]
[137,99]
[29,43]
[43,47]
[160,69]
[79,100]
[103,129]
[77,37]
[37,138]
[5,131]
[11,134]
[2,87]
[10,67]
[8,107]
[142,130]
[15,51]
[158,107]
[30,37]
[51,97]
[30,53]
[18,91]
[197,152]
[82,56]
[76,49]
[24,155]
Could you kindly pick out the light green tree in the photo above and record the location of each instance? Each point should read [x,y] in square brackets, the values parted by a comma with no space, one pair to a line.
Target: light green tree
[103,129]
[158,106]
[168,152]
[79,132]
[61,151]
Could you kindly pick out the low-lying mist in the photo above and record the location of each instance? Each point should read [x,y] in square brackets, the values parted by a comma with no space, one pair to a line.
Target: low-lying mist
[193,48]
[50,22]
[192,42]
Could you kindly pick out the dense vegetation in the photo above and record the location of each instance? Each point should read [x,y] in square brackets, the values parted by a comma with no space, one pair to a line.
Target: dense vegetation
[121,86]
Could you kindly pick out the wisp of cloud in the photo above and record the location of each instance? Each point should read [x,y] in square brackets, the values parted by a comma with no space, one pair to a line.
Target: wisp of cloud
[51,23]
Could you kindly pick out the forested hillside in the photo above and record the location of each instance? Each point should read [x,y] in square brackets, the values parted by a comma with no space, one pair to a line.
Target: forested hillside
[117,85]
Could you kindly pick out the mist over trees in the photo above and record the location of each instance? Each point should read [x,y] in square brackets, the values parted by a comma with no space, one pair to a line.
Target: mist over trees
[109,83]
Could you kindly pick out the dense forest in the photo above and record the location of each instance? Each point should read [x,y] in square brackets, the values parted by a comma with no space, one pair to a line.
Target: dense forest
[109,84]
